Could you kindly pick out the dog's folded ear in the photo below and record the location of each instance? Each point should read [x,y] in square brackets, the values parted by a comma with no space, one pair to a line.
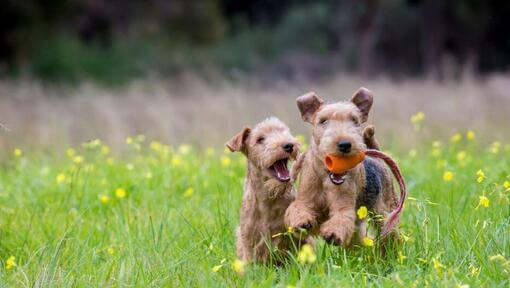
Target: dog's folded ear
[363,99]
[308,105]
[237,143]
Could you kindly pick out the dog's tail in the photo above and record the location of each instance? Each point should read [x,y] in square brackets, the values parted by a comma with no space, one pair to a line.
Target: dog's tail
[369,138]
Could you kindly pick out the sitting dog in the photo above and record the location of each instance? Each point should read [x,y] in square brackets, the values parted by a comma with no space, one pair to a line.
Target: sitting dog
[326,203]
[268,191]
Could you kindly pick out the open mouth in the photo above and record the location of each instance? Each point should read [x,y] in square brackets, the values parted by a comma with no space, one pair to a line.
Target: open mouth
[337,179]
[280,171]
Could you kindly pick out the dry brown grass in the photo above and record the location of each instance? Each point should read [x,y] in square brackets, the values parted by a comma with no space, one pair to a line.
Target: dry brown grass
[192,110]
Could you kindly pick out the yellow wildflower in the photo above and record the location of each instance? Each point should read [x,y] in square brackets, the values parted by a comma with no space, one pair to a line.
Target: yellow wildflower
[438,266]
[480,176]
[474,271]
[90,167]
[506,185]
[417,119]
[401,257]
[70,152]
[120,193]
[10,262]
[368,242]
[436,144]
[238,266]
[188,192]
[225,161]
[216,268]
[483,201]
[105,150]
[405,237]
[290,229]
[110,250]
[436,152]
[456,138]
[104,199]
[156,146]
[461,156]
[470,135]
[448,176]
[129,140]
[110,161]
[78,159]
[413,153]
[18,152]
[61,178]
[494,149]
[184,149]
[362,212]
[306,254]
[176,161]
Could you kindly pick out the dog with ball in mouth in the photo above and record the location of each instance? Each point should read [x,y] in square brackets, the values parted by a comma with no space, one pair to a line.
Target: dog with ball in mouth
[343,171]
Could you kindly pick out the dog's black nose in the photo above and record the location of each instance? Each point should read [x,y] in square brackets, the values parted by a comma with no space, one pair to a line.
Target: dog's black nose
[344,146]
[289,147]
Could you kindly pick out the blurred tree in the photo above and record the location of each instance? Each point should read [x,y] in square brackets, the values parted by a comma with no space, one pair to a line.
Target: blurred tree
[471,16]
[399,37]
[433,37]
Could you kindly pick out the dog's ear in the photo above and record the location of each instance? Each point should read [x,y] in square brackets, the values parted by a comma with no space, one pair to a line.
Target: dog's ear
[363,99]
[308,104]
[237,143]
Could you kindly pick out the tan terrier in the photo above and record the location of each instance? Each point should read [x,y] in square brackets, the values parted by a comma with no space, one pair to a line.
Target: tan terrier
[268,191]
[326,202]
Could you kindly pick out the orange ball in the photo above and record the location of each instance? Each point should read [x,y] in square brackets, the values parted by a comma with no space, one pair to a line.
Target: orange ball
[337,164]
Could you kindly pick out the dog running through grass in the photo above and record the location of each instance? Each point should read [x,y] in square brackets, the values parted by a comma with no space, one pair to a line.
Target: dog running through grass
[268,191]
[326,203]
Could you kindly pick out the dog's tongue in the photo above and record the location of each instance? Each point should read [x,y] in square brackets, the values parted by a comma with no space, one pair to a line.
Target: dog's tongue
[281,171]
[337,179]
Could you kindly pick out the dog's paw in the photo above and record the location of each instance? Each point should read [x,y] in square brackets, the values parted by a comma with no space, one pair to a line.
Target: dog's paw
[299,219]
[307,225]
[334,233]
[302,222]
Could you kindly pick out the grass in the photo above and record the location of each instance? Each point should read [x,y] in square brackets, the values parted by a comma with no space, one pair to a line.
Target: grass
[162,216]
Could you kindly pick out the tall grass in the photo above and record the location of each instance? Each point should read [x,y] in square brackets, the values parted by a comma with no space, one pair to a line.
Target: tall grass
[191,110]
[161,215]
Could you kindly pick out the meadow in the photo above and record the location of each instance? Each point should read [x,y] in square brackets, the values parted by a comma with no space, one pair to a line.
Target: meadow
[157,215]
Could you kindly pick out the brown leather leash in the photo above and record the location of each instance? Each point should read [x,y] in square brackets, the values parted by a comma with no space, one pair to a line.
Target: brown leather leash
[394,216]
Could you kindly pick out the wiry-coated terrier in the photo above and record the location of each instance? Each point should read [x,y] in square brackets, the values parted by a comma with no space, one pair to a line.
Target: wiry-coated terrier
[268,192]
[326,202]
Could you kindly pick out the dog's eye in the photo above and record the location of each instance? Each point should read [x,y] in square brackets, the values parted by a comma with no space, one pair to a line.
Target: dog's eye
[260,140]
[323,121]
[355,120]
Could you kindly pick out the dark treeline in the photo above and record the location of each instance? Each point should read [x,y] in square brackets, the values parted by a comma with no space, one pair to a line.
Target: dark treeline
[115,40]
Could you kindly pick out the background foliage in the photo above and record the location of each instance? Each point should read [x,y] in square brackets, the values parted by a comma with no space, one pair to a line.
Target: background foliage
[114,41]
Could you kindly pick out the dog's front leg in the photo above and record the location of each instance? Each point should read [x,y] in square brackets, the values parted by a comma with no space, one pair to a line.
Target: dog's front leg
[301,215]
[303,212]
[342,222]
